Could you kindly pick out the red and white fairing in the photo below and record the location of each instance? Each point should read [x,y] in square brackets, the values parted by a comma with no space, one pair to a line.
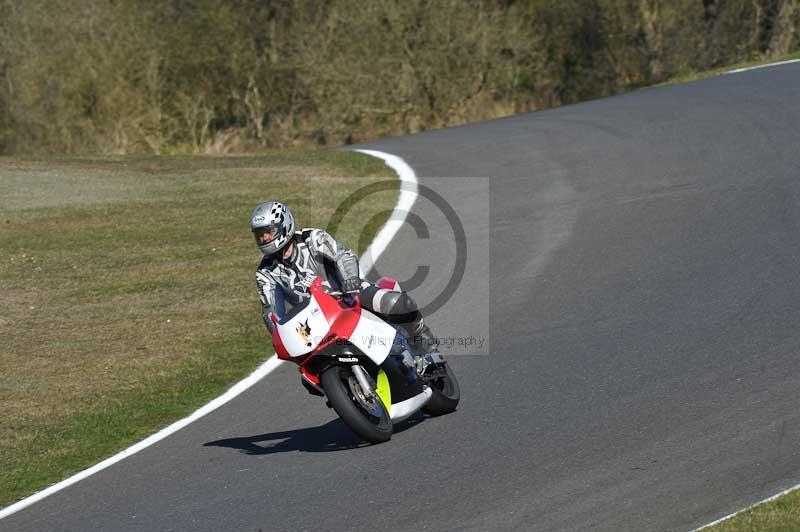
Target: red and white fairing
[324,320]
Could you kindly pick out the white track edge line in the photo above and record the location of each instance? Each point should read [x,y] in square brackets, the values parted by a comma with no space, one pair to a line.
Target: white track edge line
[405,200]
[762,66]
[759,503]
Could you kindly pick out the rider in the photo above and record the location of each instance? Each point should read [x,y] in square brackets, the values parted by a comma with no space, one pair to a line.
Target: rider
[292,259]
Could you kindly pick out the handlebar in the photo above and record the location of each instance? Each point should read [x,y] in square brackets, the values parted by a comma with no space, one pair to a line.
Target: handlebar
[348,298]
[339,293]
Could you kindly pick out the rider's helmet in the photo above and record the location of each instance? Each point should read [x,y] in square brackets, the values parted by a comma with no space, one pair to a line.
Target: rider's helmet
[273,219]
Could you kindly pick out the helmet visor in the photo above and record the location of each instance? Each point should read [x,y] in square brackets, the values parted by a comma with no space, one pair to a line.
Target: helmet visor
[265,235]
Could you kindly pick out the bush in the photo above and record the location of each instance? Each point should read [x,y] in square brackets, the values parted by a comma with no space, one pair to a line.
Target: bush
[206,76]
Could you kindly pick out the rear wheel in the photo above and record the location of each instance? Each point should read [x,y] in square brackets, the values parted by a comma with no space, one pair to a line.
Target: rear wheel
[366,416]
[446,392]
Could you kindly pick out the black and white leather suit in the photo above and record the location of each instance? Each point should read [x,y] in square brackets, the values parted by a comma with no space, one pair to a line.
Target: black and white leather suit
[316,253]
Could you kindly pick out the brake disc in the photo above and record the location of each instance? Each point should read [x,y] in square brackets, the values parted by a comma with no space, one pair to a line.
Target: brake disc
[371,404]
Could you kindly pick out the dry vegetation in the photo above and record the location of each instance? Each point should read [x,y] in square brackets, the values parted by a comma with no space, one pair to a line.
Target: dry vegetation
[207,76]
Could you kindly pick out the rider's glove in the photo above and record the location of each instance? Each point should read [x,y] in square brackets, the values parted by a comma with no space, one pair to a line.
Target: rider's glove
[353,284]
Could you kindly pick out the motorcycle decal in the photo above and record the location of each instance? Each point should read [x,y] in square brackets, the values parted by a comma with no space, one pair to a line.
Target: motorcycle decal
[305,332]
[383,390]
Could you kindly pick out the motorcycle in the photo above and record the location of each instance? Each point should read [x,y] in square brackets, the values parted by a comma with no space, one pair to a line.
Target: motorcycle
[361,363]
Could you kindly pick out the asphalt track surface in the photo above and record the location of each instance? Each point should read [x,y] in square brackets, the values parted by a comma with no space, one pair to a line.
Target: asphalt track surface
[642,283]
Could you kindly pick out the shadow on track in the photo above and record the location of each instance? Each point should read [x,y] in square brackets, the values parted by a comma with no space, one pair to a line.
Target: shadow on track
[332,436]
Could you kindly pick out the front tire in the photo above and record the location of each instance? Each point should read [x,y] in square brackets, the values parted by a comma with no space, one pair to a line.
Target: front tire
[446,392]
[367,418]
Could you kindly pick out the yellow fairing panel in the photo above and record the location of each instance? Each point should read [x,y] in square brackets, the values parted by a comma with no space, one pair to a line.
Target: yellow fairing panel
[383,390]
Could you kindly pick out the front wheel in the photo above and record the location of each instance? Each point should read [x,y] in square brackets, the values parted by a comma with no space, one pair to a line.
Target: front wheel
[365,416]
[446,392]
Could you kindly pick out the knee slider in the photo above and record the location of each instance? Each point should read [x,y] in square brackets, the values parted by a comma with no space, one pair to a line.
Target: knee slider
[401,303]
[398,307]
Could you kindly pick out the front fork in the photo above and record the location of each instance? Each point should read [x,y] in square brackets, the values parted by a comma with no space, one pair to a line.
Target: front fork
[364,380]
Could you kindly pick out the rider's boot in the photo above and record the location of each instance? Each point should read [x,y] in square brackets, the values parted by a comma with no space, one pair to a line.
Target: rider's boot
[423,341]
[425,346]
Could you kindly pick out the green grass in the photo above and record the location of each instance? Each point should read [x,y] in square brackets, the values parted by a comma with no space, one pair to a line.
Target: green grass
[128,292]
[780,515]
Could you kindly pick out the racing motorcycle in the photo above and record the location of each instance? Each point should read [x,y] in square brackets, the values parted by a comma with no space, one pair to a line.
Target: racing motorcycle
[361,363]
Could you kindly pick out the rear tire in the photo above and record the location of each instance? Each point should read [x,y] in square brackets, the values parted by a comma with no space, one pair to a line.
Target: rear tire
[446,394]
[361,420]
